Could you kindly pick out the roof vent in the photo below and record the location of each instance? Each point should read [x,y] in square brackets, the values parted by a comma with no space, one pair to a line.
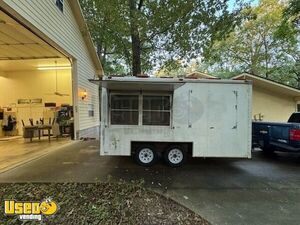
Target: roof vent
[142,76]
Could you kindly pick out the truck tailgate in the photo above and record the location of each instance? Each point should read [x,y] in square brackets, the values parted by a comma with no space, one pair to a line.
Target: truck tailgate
[280,134]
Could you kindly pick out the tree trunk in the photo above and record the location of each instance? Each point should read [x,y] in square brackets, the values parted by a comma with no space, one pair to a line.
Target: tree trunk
[298,80]
[135,40]
[102,55]
[253,66]
[99,50]
[266,57]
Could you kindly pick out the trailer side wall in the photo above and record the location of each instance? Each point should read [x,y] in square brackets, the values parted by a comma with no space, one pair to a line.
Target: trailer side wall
[215,117]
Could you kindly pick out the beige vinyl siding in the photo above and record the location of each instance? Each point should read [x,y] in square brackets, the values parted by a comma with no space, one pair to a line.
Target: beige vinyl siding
[62,28]
[273,106]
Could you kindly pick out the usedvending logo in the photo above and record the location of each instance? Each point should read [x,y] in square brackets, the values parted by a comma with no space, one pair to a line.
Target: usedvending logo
[30,210]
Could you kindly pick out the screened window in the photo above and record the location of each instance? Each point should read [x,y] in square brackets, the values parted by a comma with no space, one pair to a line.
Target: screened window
[60,5]
[124,109]
[91,110]
[156,110]
[298,107]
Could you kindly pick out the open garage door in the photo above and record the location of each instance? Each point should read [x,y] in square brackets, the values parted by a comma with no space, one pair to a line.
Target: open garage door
[36,91]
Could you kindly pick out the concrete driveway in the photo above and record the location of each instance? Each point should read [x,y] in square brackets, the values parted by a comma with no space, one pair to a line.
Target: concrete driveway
[264,190]
[17,151]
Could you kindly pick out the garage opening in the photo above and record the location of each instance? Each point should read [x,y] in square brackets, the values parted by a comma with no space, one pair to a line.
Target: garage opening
[36,98]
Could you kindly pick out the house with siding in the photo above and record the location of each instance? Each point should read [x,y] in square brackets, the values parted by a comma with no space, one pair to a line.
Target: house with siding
[46,58]
[272,101]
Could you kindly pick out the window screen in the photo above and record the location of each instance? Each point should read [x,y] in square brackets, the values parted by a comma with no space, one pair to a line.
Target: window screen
[124,109]
[156,110]
[91,110]
[60,5]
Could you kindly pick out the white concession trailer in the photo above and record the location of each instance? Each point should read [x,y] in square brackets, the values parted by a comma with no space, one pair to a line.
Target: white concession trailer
[173,117]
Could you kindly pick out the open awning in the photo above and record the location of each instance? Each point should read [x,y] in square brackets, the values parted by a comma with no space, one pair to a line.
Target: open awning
[139,84]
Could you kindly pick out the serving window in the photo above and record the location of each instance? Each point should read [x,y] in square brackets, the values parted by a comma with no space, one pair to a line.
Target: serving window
[124,109]
[156,110]
[140,109]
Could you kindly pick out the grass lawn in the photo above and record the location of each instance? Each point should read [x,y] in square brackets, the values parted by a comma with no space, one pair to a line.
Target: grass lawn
[100,203]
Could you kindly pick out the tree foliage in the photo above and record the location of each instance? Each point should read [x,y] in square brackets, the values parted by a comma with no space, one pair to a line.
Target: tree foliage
[266,43]
[138,35]
[292,12]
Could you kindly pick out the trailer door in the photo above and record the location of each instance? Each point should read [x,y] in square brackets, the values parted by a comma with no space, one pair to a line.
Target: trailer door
[222,121]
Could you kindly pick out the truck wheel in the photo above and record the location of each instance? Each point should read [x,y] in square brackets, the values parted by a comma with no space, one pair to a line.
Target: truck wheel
[175,156]
[268,150]
[146,155]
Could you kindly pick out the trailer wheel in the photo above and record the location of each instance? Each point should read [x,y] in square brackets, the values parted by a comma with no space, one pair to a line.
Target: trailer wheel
[175,156]
[146,155]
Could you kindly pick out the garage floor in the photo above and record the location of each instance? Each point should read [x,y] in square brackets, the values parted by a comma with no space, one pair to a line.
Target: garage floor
[263,190]
[16,151]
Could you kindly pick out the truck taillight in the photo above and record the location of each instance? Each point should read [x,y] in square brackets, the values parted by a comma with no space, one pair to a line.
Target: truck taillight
[295,135]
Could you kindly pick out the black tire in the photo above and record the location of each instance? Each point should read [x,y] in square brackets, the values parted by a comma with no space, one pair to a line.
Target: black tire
[175,156]
[268,150]
[145,155]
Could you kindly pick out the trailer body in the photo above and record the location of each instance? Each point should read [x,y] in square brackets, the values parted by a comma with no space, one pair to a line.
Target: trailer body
[212,116]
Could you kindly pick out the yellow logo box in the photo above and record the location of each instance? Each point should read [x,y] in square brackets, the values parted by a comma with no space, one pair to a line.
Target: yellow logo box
[12,207]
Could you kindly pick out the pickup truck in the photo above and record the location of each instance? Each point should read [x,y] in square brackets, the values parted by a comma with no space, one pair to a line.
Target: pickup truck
[284,137]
